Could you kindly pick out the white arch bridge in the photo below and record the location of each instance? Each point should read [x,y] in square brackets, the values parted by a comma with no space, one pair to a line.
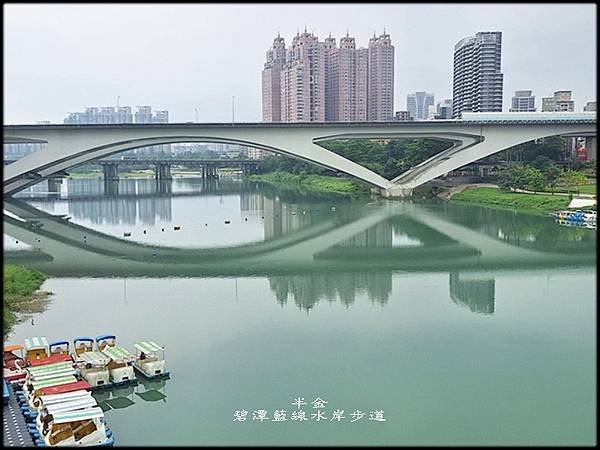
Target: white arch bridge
[473,139]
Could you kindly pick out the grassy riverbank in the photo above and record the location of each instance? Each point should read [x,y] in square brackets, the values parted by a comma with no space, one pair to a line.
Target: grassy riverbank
[21,286]
[313,182]
[498,198]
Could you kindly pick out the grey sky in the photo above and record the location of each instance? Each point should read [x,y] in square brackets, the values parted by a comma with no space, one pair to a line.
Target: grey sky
[61,58]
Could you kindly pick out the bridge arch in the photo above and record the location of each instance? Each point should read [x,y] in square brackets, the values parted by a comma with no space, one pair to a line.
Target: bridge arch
[44,169]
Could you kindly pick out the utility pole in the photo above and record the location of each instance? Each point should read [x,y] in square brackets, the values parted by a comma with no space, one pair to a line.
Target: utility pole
[233,109]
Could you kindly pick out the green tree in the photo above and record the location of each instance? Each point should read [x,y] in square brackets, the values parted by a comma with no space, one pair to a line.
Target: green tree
[571,178]
[521,176]
[548,168]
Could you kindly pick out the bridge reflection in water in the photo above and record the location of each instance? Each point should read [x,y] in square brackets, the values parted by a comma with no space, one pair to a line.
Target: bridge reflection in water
[346,252]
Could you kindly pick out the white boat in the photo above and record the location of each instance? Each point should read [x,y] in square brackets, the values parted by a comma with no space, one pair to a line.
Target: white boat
[94,368]
[105,340]
[82,402]
[150,359]
[120,366]
[83,427]
[81,345]
[33,389]
[36,348]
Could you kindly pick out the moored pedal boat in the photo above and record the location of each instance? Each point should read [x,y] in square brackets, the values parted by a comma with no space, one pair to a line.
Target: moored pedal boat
[120,366]
[36,348]
[94,368]
[81,345]
[76,428]
[105,340]
[13,362]
[150,359]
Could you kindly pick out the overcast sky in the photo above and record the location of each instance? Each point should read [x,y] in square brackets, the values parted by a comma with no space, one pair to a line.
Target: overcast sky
[62,58]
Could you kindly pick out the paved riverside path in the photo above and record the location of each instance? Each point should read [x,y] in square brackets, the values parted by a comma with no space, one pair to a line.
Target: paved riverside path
[14,432]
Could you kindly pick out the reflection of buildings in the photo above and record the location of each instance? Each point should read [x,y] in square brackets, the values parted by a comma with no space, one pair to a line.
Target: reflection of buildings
[124,207]
[477,295]
[380,235]
[307,290]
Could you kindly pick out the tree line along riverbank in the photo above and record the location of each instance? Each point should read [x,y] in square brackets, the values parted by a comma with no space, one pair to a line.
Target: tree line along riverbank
[20,293]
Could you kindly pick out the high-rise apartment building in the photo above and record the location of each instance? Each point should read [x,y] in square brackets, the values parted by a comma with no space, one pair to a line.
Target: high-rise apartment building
[319,81]
[418,105]
[271,81]
[381,78]
[561,101]
[523,101]
[303,80]
[477,83]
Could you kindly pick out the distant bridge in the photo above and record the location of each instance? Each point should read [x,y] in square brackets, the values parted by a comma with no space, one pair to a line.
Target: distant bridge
[72,145]
[162,166]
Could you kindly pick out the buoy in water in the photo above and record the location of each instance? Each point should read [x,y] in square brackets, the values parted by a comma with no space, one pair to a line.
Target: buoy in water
[162,229]
[177,228]
[144,231]
[227,222]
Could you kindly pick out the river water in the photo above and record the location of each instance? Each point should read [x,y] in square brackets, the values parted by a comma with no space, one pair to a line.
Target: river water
[458,325]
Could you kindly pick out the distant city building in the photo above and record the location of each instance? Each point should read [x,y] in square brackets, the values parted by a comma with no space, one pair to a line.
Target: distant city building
[477,81]
[590,106]
[101,115]
[443,110]
[16,151]
[561,101]
[122,114]
[418,105]
[523,101]
[257,153]
[431,112]
[402,116]
[319,81]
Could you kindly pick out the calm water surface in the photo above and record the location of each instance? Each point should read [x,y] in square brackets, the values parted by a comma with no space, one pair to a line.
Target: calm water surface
[464,325]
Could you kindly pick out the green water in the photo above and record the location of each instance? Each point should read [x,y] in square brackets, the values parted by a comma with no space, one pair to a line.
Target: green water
[464,325]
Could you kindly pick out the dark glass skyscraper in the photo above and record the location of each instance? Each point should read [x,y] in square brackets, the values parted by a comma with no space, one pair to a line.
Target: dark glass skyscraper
[478,81]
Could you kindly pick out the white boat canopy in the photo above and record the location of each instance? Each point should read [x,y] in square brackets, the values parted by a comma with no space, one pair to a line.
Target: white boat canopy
[73,405]
[148,346]
[53,382]
[95,358]
[53,374]
[49,367]
[84,414]
[35,343]
[62,398]
[118,353]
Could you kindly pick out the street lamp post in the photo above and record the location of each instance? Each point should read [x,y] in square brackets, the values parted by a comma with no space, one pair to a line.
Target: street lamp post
[233,109]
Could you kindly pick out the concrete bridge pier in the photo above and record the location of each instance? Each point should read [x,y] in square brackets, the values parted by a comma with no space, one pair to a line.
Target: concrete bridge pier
[162,171]
[111,171]
[54,185]
[111,187]
[164,186]
[397,191]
